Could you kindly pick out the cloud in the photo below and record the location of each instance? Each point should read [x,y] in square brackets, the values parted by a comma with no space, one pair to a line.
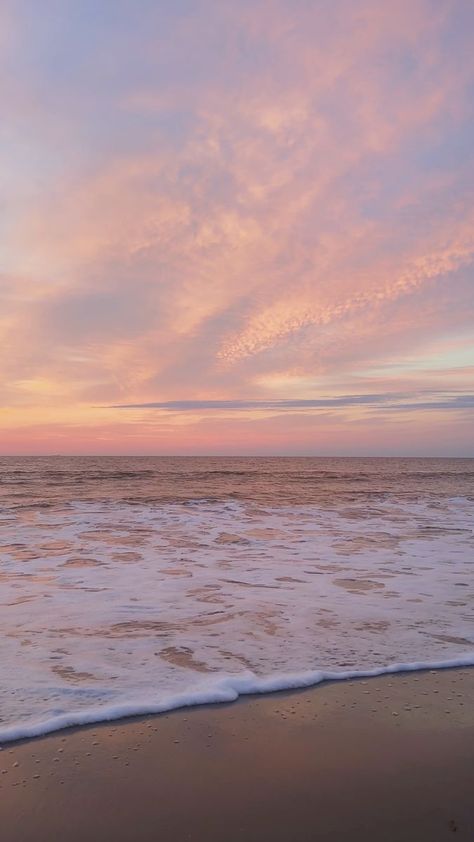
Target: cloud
[388,400]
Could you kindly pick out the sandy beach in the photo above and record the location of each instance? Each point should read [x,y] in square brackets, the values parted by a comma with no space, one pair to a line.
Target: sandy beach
[388,758]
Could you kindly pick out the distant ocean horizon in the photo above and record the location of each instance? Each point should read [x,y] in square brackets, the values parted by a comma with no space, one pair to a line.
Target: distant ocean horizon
[137,584]
[123,455]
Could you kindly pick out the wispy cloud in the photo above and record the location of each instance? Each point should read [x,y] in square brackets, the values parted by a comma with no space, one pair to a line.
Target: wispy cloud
[422,401]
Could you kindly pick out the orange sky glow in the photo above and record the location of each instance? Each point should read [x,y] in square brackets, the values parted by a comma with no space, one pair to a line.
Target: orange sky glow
[237,227]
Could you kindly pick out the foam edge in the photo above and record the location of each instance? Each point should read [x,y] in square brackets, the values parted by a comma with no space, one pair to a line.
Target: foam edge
[225,689]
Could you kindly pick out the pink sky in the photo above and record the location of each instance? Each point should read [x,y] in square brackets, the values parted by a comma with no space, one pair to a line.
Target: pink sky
[237,227]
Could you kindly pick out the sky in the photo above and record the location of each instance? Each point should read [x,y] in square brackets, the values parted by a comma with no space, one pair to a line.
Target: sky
[237,227]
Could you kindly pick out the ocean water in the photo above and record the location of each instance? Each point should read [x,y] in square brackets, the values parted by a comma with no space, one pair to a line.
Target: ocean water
[134,585]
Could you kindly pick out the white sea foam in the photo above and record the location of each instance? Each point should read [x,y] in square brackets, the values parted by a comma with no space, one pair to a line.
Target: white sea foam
[225,689]
[109,610]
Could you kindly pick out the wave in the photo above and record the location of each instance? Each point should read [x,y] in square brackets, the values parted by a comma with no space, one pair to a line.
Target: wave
[226,689]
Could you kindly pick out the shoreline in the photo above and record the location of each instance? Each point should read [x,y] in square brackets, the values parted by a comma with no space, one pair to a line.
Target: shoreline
[226,689]
[388,757]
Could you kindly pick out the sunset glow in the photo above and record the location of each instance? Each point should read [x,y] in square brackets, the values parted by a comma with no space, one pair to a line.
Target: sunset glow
[237,227]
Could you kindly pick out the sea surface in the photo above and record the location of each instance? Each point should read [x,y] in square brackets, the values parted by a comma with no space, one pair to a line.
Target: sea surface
[134,585]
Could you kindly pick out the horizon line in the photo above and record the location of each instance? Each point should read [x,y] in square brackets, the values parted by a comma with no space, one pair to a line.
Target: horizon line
[230,456]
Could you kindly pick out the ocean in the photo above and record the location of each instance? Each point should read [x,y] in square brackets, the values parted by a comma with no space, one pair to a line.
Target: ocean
[137,585]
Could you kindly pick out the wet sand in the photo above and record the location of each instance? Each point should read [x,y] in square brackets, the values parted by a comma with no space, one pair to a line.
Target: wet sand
[384,759]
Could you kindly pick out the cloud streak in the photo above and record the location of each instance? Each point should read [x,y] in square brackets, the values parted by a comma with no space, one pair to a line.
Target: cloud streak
[389,400]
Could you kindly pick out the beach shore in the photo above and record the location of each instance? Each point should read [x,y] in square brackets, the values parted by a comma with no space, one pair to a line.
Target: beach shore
[388,758]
